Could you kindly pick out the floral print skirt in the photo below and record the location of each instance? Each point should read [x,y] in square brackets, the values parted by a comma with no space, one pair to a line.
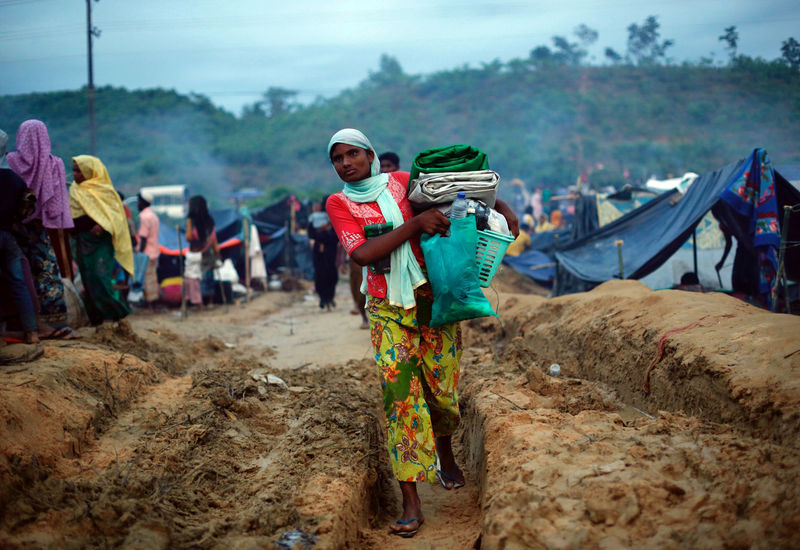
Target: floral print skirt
[419,373]
[35,243]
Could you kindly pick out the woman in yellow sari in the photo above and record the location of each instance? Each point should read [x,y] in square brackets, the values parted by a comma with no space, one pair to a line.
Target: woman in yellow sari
[101,235]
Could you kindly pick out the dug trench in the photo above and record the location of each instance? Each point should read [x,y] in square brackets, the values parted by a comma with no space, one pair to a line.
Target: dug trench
[164,433]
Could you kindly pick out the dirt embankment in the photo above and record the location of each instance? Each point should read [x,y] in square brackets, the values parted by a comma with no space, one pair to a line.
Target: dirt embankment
[723,360]
[567,462]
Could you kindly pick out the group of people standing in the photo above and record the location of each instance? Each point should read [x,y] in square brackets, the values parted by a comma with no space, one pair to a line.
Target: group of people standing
[47,224]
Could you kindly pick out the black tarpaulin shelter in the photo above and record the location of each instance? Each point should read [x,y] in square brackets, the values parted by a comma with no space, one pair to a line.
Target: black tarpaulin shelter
[286,247]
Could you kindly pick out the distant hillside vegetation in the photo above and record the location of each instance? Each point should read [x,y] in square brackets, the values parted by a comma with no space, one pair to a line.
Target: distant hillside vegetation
[543,123]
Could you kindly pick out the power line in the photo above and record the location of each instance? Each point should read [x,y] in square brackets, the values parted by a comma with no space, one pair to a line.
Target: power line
[4,3]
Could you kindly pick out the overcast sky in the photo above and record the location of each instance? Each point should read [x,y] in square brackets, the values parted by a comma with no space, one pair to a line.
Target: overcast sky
[234,50]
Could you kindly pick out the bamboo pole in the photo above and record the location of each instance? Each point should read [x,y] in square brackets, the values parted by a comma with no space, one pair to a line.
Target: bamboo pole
[181,262]
[781,273]
[247,260]
[619,244]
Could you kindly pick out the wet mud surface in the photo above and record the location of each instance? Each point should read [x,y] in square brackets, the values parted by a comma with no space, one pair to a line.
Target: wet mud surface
[161,432]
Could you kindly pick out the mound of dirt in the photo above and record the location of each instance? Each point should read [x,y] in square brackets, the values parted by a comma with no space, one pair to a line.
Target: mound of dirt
[722,359]
[175,432]
[55,407]
[159,347]
[217,459]
[572,462]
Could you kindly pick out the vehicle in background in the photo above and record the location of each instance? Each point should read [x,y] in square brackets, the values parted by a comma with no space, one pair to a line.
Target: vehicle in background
[170,201]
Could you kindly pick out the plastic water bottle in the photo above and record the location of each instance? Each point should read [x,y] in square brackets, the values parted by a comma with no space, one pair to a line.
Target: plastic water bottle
[459,208]
[481,215]
[555,370]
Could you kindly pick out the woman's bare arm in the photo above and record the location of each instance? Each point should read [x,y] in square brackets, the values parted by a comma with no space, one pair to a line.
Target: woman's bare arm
[429,221]
[508,214]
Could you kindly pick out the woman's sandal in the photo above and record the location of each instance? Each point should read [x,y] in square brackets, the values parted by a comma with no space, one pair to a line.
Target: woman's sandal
[63,333]
[410,533]
[444,479]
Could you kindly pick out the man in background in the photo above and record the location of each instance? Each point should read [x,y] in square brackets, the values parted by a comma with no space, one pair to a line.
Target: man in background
[148,244]
[390,162]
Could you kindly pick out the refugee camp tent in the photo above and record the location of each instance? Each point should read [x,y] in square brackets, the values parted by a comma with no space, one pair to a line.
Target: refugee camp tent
[705,247]
[286,246]
[652,233]
[271,222]
[791,172]
[229,226]
[596,210]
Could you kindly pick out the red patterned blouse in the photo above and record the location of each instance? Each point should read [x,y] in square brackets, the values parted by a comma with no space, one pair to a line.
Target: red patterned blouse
[349,218]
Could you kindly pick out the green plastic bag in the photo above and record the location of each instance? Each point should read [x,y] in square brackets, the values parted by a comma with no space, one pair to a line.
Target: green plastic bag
[450,262]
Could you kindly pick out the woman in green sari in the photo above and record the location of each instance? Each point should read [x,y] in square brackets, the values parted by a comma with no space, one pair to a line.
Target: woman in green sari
[101,235]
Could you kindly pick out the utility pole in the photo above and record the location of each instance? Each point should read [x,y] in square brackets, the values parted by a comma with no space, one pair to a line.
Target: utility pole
[90,33]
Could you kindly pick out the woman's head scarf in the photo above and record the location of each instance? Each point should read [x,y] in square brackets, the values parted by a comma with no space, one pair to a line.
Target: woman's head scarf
[405,275]
[96,197]
[43,173]
[351,136]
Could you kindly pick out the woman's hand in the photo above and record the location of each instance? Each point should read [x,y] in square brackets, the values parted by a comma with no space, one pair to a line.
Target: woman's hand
[508,214]
[432,221]
[96,230]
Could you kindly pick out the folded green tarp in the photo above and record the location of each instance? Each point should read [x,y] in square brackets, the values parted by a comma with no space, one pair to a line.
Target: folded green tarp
[453,158]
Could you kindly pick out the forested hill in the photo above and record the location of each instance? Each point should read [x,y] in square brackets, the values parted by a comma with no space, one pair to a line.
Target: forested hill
[544,123]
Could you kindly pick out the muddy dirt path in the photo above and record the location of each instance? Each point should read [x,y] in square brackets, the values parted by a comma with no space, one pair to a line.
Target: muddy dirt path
[302,334]
[161,432]
[164,432]
[296,333]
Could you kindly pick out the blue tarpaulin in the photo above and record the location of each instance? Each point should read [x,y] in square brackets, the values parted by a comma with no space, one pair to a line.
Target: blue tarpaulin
[650,234]
[535,264]
[653,232]
[547,240]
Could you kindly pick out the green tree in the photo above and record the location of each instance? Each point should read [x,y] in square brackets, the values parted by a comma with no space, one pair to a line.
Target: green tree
[541,56]
[586,35]
[389,72]
[613,56]
[573,53]
[731,39]
[644,46]
[790,50]
[566,52]
[278,102]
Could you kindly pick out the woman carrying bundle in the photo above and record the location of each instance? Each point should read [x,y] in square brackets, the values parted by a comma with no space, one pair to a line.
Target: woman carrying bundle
[418,365]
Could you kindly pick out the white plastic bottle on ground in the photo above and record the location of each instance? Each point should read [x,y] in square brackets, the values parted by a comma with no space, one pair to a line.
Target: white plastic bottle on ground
[459,207]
